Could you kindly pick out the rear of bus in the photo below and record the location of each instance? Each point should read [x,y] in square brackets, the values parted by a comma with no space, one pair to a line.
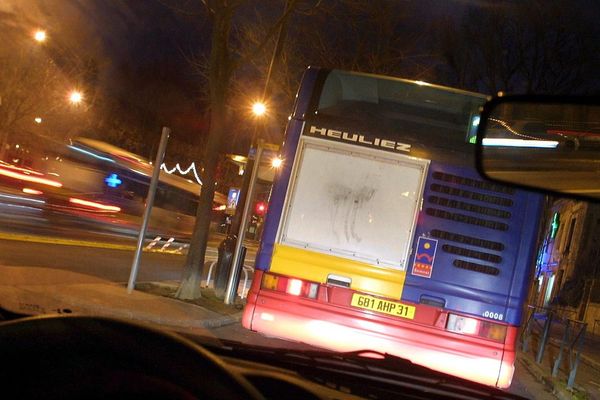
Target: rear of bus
[381,235]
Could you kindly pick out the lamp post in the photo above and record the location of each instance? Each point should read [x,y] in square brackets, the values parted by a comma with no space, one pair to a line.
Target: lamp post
[225,281]
[259,109]
[230,291]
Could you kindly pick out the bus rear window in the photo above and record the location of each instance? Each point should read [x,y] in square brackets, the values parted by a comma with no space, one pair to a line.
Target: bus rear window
[402,104]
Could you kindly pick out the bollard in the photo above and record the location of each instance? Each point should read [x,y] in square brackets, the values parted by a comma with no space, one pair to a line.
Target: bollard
[544,338]
[238,270]
[563,343]
[225,257]
[526,333]
[577,343]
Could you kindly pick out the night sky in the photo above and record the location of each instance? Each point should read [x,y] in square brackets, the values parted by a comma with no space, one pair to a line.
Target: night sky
[143,51]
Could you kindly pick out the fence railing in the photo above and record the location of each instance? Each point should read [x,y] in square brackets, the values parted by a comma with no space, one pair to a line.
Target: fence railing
[544,322]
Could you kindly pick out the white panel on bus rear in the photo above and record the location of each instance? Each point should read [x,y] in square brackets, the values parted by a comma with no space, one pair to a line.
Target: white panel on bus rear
[354,203]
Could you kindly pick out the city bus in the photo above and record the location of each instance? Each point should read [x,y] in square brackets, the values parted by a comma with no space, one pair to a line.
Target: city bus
[382,236]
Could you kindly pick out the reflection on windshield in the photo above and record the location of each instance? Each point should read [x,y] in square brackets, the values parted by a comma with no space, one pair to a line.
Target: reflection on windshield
[544,146]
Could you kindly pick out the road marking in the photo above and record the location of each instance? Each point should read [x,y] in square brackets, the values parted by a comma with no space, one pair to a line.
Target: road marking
[181,248]
[66,242]
[171,240]
[211,250]
[153,243]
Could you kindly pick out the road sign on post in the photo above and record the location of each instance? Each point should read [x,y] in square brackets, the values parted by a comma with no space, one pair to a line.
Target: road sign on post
[232,200]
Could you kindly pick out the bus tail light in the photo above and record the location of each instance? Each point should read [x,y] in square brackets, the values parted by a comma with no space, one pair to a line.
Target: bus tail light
[297,287]
[476,327]
[491,330]
[291,286]
[294,287]
[269,281]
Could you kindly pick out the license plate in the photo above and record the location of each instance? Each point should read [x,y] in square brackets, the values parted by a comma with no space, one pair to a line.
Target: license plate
[383,306]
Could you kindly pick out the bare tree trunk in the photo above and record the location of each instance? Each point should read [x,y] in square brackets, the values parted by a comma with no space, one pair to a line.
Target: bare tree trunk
[219,70]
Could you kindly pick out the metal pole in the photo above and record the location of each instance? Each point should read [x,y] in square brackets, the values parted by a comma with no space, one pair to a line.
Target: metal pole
[149,202]
[544,338]
[563,344]
[231,290]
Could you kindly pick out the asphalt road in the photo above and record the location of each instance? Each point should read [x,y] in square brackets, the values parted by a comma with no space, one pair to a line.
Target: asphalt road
[109,264]
[29,236]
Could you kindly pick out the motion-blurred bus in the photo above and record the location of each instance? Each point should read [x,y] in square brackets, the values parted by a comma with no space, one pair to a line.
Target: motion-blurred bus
[99,183]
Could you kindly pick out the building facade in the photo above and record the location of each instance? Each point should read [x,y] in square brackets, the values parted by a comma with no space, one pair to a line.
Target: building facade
[568,262]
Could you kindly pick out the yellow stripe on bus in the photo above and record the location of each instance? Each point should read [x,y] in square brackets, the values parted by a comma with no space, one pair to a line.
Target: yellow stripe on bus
[316,267]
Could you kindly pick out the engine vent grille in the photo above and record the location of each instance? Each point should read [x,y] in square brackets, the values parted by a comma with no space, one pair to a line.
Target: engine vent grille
[474,202]
[461,251]
[484,269]
[467,194]
[467,219]
[461,180]
[458,238]
[461,205]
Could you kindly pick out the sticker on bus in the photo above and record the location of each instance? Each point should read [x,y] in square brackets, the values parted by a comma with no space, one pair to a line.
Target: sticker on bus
[424,257]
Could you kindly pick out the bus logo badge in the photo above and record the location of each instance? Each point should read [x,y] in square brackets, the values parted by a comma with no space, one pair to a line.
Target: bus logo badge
[424,257]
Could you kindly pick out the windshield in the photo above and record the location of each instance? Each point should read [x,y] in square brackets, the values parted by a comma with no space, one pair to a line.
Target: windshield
[297,175]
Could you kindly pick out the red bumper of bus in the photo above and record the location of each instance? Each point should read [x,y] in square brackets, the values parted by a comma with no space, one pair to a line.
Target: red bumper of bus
[349,329]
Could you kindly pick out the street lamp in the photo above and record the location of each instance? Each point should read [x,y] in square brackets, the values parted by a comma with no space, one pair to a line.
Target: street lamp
[276,162]
[75,97]
[259,108]
[40,36]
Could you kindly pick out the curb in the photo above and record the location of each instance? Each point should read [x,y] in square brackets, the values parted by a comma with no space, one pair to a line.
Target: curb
[536,373]
[105,311]
[591,362]
[26,301]
[108,311]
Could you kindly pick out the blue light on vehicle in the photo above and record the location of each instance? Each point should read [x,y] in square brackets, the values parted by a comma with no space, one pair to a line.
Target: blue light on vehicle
[113,181]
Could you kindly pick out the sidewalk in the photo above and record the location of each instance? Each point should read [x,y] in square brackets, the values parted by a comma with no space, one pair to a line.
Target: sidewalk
[34,291]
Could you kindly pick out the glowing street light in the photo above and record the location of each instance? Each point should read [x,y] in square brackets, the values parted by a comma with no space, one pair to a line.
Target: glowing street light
[259,109]
[75,97]
[40,36]
[276,162]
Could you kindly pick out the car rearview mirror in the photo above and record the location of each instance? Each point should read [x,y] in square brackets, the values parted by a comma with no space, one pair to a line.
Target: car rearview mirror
[542,142]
